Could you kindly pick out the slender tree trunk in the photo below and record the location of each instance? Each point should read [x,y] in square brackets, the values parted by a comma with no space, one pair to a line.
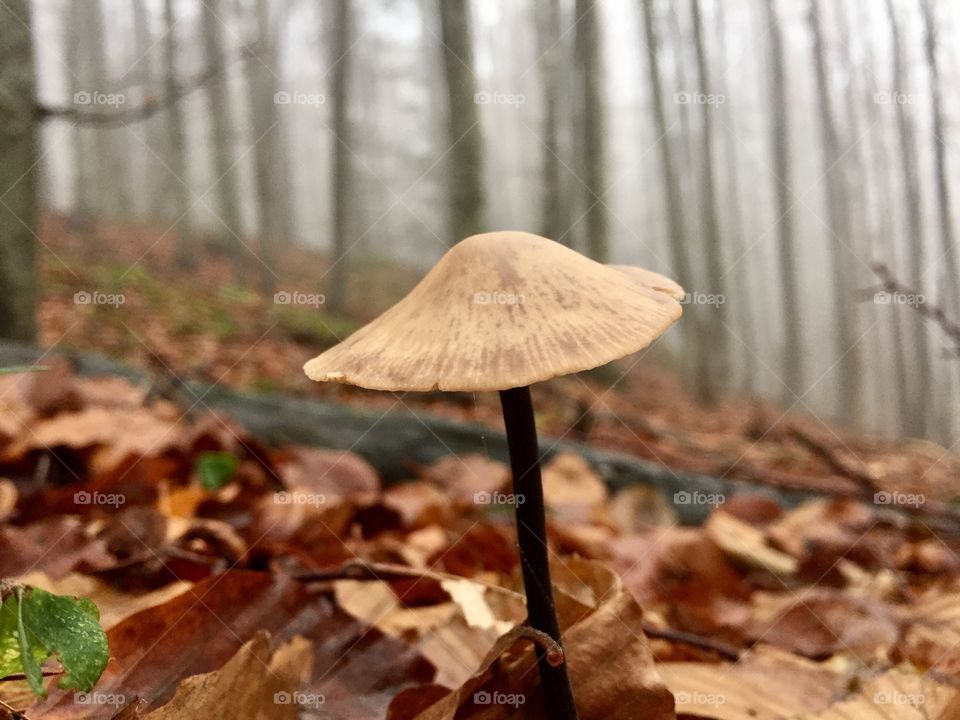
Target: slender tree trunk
[185,250]
[464,161]
[269,149]
[838,223]
[782,169]
[734,202]
[213,16]
[694,341]
[923,391]
[18,175]
[949,296]
[590,69]
[342,178]
[716,367]
[551,198]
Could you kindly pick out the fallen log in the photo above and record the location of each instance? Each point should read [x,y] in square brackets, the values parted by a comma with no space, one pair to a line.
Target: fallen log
[399,441]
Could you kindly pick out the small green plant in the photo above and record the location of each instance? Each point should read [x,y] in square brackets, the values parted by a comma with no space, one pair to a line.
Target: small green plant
[35,625]
[215,469]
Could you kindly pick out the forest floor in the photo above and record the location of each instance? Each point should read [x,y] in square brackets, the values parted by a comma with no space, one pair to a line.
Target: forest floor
[239,580]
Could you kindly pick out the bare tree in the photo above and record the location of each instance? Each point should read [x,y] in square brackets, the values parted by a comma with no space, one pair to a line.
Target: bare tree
[212,21]
[782,171]
[340,63]
[715,364]
[694,341]
[464,160]
[590,74]
[951,281]
[270,147]
[838,225]
[185,252]
[923,390]
[735,207]
[551,202]
[18,174]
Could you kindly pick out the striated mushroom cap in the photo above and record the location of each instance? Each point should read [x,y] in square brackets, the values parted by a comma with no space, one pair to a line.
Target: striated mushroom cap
[498,311]
[652,279]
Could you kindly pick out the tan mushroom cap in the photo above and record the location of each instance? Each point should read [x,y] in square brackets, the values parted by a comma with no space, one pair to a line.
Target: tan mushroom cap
[498,311]
[652,279]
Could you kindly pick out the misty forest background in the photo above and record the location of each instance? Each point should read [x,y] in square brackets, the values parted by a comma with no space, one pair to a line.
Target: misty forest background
[781,158]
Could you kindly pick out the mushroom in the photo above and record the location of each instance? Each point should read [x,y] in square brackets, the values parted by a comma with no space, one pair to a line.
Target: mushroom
[501,311]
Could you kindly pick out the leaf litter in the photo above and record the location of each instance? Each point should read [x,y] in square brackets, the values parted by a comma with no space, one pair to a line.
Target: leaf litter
[238,580]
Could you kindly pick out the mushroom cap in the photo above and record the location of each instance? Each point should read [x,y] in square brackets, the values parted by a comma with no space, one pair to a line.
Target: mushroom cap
[498,311]
[653,279]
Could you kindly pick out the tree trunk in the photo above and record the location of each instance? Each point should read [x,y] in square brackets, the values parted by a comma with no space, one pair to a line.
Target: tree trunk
[551,198]
[185,249]
[213,16]
[923,389]
[342,177]
[268,151]
[782,170]
[464,161]
[591,135]
[949,295]
[850,361]
[18,175]
[694,341]
[715,368]
[734,202]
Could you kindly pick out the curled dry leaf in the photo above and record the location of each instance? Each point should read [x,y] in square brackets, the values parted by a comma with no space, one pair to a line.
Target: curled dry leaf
[464,476]
[610,664]
[572,490]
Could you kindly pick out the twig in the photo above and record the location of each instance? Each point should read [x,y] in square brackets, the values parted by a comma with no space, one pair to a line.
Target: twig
[935,313]
[843,464]
[727,652]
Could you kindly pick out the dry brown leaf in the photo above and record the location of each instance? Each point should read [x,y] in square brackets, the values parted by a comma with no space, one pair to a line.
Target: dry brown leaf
[255,684]
[747,544]
[766,684]
[465,476]
[114,606]
[610,665]
[932,635]
[572,489]
[901,693]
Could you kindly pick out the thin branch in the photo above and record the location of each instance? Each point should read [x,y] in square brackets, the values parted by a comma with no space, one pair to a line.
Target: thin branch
[935,313]
[151,105]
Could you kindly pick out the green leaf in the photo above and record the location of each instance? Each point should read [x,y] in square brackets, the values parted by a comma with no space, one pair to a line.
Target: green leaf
[215,469]
[35,625]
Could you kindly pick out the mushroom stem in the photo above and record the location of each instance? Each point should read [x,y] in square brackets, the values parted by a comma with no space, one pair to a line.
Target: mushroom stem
[532,537]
